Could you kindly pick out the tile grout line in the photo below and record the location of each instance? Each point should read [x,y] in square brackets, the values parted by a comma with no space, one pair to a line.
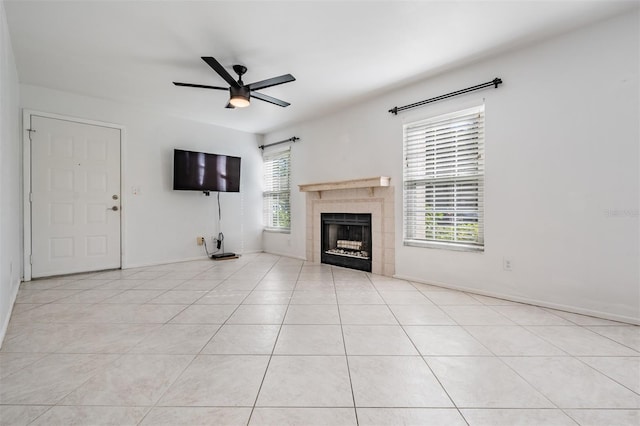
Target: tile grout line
[494,356]
[603,373]
[195,356]
[346,355]
[275,343]
[418,351]
[154,405]
[94,374]
[503,362]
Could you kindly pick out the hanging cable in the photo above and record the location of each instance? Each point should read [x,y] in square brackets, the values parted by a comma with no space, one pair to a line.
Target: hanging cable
[220,240]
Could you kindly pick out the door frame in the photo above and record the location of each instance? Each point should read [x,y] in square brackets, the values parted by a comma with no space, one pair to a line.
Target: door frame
[26,187]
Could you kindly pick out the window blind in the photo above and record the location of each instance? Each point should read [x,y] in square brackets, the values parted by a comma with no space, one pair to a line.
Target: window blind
[444,181]
[277,190]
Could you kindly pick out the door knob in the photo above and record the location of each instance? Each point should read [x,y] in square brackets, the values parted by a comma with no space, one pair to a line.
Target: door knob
[114,208]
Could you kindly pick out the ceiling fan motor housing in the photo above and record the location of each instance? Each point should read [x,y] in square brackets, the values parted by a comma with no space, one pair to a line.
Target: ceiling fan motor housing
[242,92]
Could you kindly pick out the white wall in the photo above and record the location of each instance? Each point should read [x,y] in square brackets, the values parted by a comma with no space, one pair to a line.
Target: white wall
[10,178]
[562,171]
[161,225]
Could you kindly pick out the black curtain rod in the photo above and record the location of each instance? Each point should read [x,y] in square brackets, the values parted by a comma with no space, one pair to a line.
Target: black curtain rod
[495,82]
[292,139]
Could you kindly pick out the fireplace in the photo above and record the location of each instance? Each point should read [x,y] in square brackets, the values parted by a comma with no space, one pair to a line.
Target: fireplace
[368,196]
[346,240]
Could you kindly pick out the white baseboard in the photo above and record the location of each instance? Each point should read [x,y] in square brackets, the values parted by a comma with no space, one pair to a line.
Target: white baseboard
[5,321]
[187,259]
[163,262]
[190,259]
[286,255]
[529,301]
[250,252]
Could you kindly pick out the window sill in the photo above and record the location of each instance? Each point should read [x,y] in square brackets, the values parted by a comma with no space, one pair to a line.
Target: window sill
[277,231]
[444,246]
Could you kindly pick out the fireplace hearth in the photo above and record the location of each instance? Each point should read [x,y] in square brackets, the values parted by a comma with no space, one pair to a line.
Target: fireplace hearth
[346,240]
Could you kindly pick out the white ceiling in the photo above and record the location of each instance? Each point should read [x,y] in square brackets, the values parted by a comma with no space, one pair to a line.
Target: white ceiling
[339,51]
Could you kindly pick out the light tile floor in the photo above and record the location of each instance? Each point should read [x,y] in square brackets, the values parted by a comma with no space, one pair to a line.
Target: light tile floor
[268,340]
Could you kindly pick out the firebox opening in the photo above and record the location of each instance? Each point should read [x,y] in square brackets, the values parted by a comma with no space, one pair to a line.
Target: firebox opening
[346,240]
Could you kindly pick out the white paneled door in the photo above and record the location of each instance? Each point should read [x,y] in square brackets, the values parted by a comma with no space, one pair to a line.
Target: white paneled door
[75,197]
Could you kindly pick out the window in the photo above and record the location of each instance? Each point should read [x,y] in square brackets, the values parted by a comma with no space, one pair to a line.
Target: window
[444,181]
[277,188]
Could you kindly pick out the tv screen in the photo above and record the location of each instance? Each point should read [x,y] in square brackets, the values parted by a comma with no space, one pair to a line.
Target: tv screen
[200,171]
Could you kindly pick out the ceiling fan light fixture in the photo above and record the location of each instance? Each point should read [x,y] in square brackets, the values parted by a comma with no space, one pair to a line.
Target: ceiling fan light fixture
[239,101]
[239,97]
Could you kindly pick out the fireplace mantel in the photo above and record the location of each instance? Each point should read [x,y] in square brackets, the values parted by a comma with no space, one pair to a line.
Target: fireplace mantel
[372,182]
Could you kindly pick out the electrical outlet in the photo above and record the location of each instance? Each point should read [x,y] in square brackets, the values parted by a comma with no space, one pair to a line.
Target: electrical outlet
[200,240]
[507,264]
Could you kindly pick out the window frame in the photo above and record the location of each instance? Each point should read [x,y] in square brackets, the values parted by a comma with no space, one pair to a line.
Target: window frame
[271,195]
[456,182]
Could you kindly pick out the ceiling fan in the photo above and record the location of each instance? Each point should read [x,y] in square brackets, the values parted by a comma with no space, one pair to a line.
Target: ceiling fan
[240,93]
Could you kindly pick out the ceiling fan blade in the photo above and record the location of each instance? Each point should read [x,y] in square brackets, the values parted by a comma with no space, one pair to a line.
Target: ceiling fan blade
[271,82]
[220,70]
[230,106]
[269,99]
[200,86]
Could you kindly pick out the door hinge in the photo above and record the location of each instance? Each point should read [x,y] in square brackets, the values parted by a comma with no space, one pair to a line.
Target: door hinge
[31,197]
[30,259]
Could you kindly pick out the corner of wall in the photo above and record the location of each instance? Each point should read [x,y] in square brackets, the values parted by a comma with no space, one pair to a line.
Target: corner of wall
[11,246]
[7,316]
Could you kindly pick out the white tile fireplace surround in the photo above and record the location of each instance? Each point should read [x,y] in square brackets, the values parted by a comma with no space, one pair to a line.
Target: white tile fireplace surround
[369,195]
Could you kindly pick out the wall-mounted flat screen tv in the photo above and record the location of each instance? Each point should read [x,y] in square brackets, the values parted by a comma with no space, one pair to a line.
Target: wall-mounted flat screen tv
[200,171]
